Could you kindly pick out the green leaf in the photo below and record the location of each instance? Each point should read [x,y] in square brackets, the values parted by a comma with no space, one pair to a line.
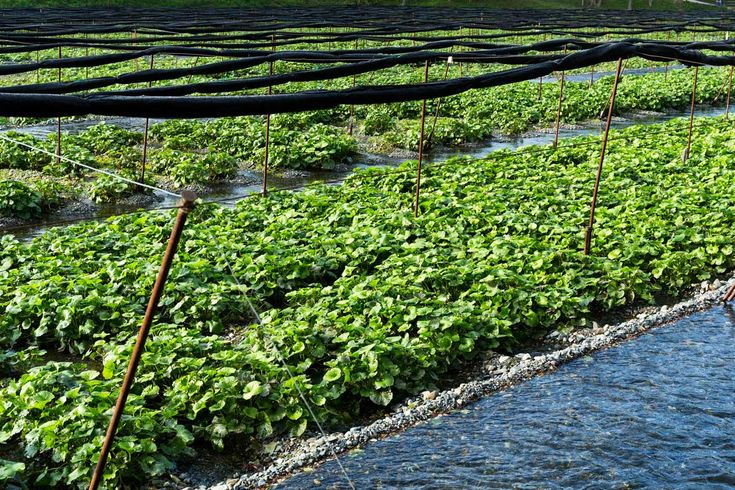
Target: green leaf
[333,374]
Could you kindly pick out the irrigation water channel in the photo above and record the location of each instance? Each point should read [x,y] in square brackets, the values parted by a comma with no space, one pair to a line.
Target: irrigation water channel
[276,181]
[654,412]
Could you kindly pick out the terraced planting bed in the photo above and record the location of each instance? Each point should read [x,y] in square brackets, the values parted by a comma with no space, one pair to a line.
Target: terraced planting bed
[366,303]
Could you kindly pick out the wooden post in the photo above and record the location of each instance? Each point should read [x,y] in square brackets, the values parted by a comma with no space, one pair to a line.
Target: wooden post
[613,93]
[186,205]
[691,115]
[421,145]
[145,138]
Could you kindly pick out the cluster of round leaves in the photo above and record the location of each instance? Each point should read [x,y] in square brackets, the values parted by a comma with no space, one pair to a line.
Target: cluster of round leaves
[300,141]
[515,108]
[364,302]
[19,200]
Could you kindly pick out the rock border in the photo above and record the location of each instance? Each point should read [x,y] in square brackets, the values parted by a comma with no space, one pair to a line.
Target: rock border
[497,374]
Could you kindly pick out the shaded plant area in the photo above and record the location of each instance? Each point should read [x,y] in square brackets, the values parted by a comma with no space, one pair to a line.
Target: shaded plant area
[366,303]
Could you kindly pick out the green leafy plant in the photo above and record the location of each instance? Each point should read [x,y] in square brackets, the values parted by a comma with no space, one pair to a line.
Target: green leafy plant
[18,200]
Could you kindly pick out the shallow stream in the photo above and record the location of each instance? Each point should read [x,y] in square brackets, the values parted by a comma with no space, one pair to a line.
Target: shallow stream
[655,412]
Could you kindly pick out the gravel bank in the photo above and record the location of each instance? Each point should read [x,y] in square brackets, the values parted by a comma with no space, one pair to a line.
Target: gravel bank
[496,373]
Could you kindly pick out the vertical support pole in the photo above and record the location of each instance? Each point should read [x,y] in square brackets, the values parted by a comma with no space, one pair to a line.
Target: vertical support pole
[540,89]
[613,93]
[264,191]
[86,53]
[145,138]
[58,123]
[186,205]
[691,115]
[135,38]
[421,145]
[196,61]
[729,92]
[436,112]
[558,111]
[730,294]
[592,75]
[352,107]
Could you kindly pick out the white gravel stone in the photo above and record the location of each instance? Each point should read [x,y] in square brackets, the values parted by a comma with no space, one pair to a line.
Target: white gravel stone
[432,404]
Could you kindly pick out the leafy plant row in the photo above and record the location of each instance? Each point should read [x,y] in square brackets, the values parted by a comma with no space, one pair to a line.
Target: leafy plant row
[365,303]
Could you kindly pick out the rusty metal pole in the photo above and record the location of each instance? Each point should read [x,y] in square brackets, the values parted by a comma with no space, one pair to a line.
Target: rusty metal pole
[730,294]
[145,138]
[196,60]
[691,115]
[729,92]
[540,89]
[58,123]
[588,232]
[135,38]
[558,111]
[592,75]
[186,205]
[86,53]
[421,145]
[264,191]
[436,112]
[352,107]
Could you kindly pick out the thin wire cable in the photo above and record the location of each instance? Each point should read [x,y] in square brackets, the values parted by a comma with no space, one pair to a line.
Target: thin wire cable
[89,167]
[282,360]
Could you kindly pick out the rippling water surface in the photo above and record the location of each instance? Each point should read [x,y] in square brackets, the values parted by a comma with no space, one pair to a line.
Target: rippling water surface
[655,412]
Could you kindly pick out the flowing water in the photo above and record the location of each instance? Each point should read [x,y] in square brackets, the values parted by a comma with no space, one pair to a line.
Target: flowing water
[253,178]
[655,412]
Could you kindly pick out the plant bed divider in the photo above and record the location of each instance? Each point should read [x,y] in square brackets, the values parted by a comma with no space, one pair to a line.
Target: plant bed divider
[186,205]
[613,93]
